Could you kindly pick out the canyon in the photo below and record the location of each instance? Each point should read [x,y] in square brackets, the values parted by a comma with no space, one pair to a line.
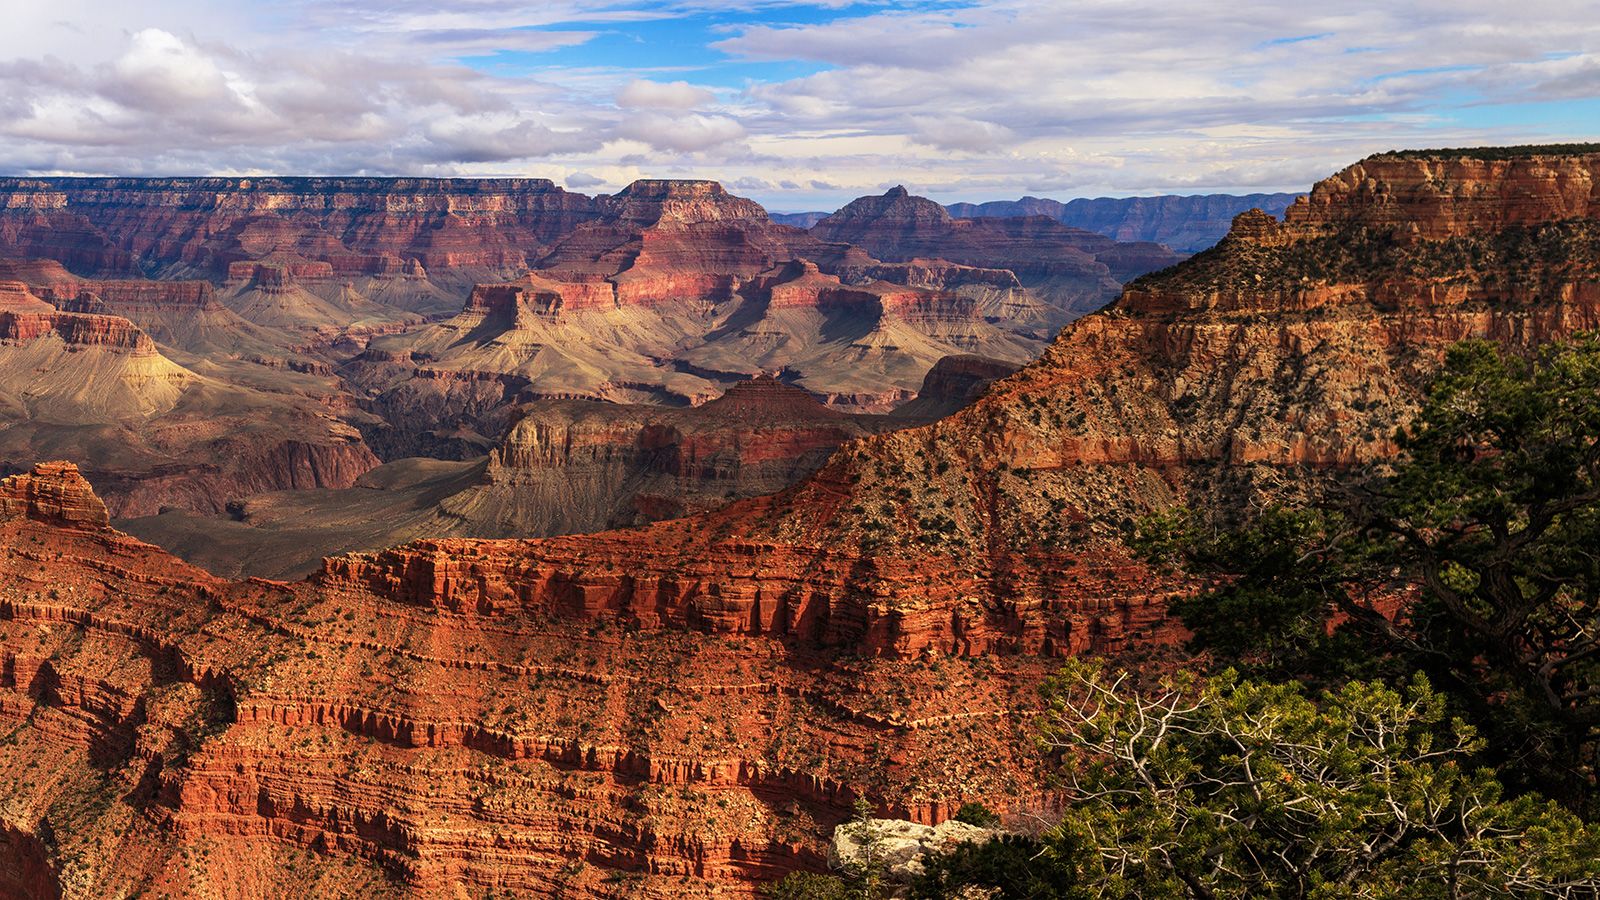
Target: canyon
[687,707]
[294,333]
[565,466]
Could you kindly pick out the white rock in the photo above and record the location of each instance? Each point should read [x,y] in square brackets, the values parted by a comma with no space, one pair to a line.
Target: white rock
[901,844]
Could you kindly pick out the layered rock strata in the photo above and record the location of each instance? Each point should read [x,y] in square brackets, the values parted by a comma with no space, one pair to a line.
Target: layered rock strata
[690,706]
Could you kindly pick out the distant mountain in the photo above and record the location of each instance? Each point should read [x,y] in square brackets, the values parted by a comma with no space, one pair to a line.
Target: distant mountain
[1073,269]
[1185,223]
[799,219]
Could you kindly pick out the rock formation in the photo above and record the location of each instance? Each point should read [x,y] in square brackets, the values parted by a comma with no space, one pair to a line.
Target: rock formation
[96,388]
[900,846]
[184,316]
[954,383]
[1078,271]
[681,292]
[356,226]
[176,735]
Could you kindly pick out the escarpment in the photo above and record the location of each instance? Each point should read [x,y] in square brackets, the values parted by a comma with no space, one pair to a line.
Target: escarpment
[354,225]
[688,707]
[185,732]
[1437,195]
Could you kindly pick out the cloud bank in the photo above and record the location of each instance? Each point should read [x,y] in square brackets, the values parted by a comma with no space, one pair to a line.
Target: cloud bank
[806,104]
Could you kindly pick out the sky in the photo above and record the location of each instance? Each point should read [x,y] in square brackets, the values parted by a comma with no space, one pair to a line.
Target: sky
[799,104]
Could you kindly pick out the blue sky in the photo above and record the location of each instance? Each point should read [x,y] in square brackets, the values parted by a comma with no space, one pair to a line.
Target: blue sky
[798,104]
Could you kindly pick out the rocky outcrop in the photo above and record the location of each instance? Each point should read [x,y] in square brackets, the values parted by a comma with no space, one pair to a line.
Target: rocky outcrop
[1436,195]
[218,724]
[54,493]
[953,383]
[898,847]
[1285,349]
[576,467]
[368,226]
[151,432]
[677,328]
[25,318]
[185,315]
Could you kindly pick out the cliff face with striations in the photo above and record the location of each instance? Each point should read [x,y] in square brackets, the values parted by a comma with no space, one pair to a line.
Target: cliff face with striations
[689,706]
[186,315]
[681,290]
[56,494]
[564,466]
[1439,196]
[183,736]
[354,225]
[576,466]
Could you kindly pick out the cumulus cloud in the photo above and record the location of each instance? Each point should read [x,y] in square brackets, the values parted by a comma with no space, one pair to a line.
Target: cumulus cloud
[581,180]
[682,133]
[959,133]
[491,141]
[656,95]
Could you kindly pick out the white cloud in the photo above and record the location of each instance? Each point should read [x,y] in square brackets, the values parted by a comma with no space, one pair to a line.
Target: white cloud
[994,98]
[683,133]
[656,95]
[958,133]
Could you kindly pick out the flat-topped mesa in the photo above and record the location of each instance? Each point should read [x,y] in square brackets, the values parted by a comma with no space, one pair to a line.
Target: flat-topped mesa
[765,398]
[539,295]
[799,284]
[268,275]
[280,194]
[53,492]
[41,275]
[954,383]
[938,274]
[570,466]
[370,227]
[51,282]
[16,297]
[22,322]
[1450,193]
[675,202]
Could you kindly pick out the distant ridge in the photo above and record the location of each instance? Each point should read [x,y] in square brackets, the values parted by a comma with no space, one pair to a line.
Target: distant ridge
[800,219]
[1188,224]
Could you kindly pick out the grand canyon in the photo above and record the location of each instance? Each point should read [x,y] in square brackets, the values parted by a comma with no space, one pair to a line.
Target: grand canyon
[627,449]
[688,706]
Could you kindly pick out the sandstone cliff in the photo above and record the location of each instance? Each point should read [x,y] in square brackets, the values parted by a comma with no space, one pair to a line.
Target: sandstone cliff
[182,736]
